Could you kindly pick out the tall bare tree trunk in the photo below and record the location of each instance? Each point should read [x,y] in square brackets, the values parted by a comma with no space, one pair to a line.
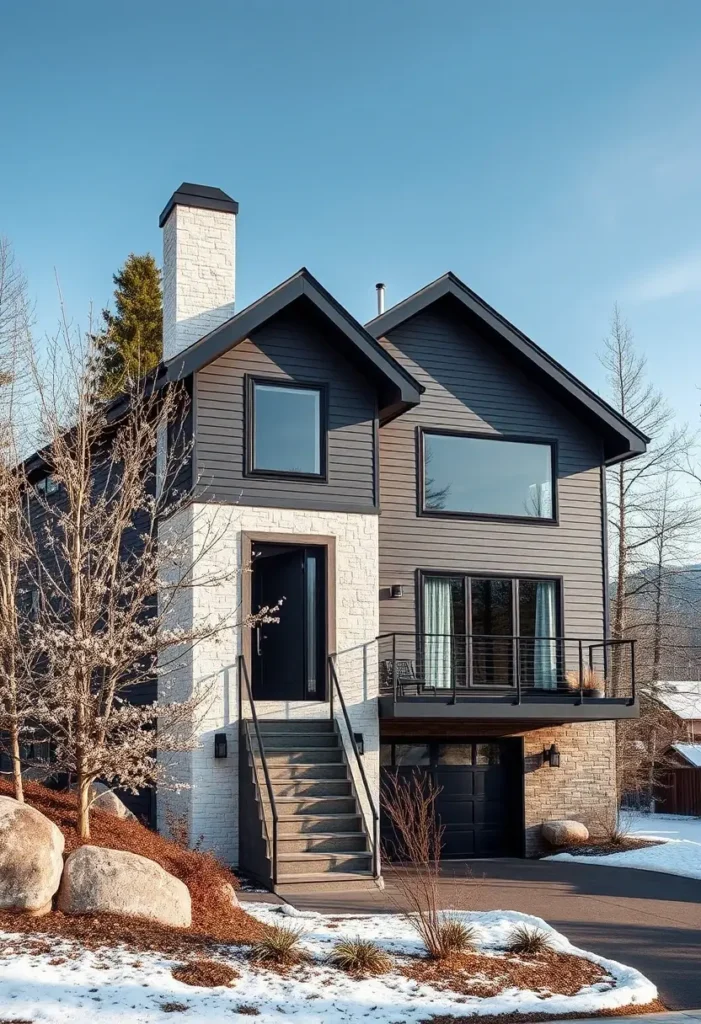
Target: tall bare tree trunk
[83,823]
[15,756]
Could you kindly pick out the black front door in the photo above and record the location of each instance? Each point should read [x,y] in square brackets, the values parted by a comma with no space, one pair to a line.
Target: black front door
[289,656]
[480,783]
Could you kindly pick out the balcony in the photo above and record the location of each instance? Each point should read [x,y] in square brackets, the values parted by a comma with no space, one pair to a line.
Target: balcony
[541,679]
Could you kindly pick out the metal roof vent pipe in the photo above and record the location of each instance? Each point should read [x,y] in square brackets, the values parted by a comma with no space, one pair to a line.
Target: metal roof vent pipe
[380,298]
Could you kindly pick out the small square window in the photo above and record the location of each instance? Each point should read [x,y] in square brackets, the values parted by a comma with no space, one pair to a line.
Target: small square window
[47,485]
[411,754]
[287,429]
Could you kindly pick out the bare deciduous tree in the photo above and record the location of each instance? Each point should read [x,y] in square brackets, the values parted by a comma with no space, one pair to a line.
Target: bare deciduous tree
[115,563]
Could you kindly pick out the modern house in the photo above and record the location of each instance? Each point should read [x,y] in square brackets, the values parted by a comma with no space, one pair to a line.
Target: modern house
[427,494]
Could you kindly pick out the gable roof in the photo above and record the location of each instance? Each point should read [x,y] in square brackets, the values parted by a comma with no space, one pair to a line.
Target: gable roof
[683,698]
[691,752]
[399,390]
[621,439]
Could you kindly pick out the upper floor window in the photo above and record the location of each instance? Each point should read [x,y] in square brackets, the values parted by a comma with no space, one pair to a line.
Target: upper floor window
[469,475]
[47,485]
[287,429]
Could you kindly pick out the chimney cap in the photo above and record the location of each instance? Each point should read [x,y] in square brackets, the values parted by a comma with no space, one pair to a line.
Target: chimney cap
[203,196]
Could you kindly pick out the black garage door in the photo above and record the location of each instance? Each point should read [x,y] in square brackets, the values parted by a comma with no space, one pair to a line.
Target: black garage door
[481,792]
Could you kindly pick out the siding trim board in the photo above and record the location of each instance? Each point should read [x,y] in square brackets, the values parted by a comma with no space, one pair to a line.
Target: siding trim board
[622,439]
[484,516]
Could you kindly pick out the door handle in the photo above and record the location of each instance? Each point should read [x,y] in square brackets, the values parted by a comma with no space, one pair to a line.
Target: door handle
[258,639]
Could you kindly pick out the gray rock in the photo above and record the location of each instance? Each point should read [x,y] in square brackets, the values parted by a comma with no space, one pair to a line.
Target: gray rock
[229,894]
[107,800]
[563,833]
[31,858]
[101,881]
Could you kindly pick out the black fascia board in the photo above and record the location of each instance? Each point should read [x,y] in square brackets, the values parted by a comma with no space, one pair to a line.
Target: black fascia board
[623,439]
[301,284]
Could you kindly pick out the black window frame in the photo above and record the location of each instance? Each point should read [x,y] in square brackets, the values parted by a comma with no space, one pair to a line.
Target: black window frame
[251,382]
[467,575]
[430,513]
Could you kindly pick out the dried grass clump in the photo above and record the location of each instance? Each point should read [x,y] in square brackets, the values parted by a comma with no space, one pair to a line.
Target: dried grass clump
[453,937]
[278,945]
[360,957]
[525,939]
[205,973]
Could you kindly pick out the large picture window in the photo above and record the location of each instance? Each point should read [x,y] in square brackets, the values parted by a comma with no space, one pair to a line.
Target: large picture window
[481,630]
[287,430]
[486,476]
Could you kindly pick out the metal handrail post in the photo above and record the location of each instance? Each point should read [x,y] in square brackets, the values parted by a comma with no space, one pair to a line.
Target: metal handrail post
[581,673]
[243,670]
[354,746]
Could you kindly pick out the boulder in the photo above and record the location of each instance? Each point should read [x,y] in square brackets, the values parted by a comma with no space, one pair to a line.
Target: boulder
[97,880]
[564,833]
[229,894]
[31,858]
[107,800]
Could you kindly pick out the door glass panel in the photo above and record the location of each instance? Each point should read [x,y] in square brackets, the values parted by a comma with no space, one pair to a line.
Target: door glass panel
[411,754]
[487,753]
[538,629]
[311,624]
[444,626]
[492,631]
[454,753]
[385,754]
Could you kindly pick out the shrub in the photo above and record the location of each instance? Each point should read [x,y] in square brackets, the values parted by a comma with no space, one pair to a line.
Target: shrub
[453,937]
[524,939]
[360,956]
[278,945]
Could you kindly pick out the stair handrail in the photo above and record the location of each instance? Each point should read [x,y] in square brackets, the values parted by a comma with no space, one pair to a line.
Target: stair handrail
[244,679]
[334,689]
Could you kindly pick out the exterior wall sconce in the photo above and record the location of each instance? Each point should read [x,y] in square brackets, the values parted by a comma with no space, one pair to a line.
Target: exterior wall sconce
[220,744]
[396,590]
[359,742]
[551,755]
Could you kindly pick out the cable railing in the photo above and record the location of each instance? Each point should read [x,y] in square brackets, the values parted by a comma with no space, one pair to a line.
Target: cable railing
[461,667]
[244,681]
[335,693]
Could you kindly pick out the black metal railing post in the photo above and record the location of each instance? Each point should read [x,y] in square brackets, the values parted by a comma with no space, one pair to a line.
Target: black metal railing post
[632,670]
[581,673]
[394,667]
[517,668]
[356,753]
[244,679]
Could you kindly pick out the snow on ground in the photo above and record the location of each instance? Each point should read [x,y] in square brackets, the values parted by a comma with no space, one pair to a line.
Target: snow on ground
[678,854]
[115,987]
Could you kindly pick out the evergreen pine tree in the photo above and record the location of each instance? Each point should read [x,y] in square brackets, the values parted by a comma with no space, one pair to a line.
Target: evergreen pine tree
[132,341]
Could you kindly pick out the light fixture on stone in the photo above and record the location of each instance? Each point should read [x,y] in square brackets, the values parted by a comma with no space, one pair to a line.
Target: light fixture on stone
[220,744]
[551,755]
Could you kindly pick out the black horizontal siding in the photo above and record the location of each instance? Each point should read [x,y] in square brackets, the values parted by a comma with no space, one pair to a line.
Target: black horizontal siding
[472,387]
[289,347]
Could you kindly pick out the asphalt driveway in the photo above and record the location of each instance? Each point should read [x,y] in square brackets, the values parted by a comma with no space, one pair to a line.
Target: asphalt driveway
[643,918]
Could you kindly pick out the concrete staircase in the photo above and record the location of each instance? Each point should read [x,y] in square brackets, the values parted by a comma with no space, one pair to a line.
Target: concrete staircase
[322,840]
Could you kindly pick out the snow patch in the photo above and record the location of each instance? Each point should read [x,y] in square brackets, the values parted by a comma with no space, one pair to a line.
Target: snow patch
[113,986]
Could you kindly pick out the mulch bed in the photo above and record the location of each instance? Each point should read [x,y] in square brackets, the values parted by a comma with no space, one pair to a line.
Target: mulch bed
[537,1018]
[477,974]
[603,848]
[214,918]
[207,973]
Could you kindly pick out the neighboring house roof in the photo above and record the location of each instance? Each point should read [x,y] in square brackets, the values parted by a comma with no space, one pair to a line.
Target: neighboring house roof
[399,389]
[622,440]
[683,698]
[691,752]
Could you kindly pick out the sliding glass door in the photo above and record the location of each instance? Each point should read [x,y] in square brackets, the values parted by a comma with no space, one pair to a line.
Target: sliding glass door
[480,631]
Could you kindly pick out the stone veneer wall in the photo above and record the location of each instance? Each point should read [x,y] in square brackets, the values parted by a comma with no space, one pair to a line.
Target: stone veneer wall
[583,787]
[211,802]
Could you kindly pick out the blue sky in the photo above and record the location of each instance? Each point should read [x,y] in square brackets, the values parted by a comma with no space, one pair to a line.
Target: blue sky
[548,152]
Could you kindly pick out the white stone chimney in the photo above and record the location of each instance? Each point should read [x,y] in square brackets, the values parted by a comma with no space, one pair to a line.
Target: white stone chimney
[199,264]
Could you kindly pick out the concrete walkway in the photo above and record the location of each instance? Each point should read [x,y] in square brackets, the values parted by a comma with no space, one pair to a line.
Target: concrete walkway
[649,920]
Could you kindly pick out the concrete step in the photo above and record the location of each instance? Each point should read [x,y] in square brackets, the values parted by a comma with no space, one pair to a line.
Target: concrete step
[269,728]
[289,885]
[310,772]
[315,863]
[330,842]
[313,804]
[310,755]
[312,787]
[311,824]
[299,740]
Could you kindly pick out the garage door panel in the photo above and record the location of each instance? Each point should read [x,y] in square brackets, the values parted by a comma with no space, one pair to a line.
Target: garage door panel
[479,803]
